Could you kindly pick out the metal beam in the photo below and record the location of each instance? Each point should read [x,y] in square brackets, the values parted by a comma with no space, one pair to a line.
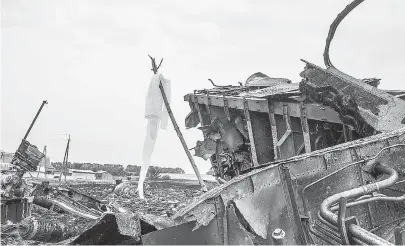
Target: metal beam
[288,138]
[314,111]
[197,106]
[207,104]
[251,137]
[226,107]
[273,127]
[305,127]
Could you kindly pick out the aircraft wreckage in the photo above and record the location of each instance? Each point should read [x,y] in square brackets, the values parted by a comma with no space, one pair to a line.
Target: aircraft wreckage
[315,162]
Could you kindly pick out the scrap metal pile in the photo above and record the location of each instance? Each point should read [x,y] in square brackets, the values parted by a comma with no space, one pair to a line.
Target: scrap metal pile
[321,161]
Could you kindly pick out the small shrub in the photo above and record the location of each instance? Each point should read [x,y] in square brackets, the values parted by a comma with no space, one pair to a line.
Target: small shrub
[165,177]
[153,173]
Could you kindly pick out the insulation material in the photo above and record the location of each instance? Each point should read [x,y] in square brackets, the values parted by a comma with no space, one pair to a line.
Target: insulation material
[260,79]
[231,136]
[192,120]
[205,149]
[241,126]
[157,116]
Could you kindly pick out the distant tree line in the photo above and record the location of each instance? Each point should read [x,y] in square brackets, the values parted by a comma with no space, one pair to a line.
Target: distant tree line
[210,172]
[116,169]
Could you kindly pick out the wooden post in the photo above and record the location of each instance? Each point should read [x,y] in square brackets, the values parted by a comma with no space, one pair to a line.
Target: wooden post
[35,119]
[176,127]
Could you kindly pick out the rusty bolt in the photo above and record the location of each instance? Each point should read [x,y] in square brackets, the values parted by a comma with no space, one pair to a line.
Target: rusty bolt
[278,236]
[278,232]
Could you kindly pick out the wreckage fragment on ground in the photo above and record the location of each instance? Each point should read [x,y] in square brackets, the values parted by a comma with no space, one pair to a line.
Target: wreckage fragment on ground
[315,162]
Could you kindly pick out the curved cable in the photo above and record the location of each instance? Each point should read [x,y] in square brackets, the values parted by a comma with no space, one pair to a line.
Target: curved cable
[333,28]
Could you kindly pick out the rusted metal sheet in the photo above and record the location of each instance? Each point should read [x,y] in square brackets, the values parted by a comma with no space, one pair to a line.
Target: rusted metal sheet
[263,137]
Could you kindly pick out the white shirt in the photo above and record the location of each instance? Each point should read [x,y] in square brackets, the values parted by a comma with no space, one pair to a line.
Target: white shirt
[154,104]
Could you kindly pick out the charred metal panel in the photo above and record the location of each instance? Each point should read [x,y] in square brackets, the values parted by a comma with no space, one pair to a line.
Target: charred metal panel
[27,156]
[198,108]
[296,128]
[261,196]
[344,180]
[366,96]
[263,137]
[291,202]
[122,229]
[379,109]
[237,234]
[15,209]
[384,212]
[219,113]
[281,126]
[203,113]
[266,209]
[350,176]
[184,235]
[192,119]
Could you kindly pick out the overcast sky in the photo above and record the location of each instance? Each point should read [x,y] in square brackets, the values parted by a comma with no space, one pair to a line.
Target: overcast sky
[89,60]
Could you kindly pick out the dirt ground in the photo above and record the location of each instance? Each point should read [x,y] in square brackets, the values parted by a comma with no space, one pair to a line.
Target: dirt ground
[160,199]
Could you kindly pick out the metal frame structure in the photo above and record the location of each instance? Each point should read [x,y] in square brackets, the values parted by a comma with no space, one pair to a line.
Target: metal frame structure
[293,108]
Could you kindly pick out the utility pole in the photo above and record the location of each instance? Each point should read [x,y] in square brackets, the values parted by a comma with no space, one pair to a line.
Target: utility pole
[44,158]
[176,127]
[67,157]
[64,163]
